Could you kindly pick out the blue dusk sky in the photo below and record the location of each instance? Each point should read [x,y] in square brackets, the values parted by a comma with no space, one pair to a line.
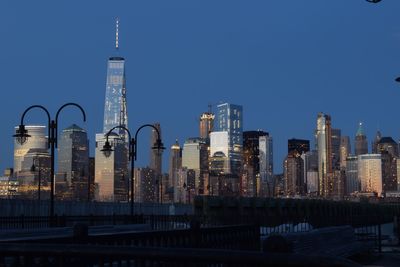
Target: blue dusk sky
[284,61]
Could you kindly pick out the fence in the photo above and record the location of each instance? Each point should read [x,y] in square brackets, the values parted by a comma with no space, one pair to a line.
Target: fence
[83,255]
[16,207]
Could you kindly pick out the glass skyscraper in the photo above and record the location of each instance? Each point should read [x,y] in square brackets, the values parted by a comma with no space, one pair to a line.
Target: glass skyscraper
[115,112]
[324,147]
[73,162]
[111,174]
[229,119]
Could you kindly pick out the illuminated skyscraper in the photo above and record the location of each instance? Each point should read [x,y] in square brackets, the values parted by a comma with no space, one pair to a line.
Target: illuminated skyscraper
[345,150]
[353,183]
[335,140]
[111,175]
[361,144]
[388,149]
[156,154]
[370,173]
[206,124]
[73,162]
[324,147]
[115,112]
[257,177]
[229,119]
[195,157]
[293,175]
[145,185]
[175,163]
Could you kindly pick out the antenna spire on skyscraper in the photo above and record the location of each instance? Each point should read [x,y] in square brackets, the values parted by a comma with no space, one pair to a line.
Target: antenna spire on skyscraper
[116,33]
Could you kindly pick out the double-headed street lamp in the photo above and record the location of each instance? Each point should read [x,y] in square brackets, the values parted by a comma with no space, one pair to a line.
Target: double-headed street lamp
[22,135]
[107,150]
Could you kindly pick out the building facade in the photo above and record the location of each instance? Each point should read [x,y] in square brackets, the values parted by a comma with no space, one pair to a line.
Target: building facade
[73,164]
[324,147]
[111,176]
[298,146]
[37,140]
[195,157]
[361,143]
[370,173]
[206,125]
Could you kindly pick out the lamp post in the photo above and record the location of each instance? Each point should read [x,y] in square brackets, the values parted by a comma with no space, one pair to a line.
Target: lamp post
[107,150]
[33,169]
[22,135]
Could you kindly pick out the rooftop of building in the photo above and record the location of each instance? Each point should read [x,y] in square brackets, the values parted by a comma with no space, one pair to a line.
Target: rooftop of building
[386,139]
[74,128]
[117,58]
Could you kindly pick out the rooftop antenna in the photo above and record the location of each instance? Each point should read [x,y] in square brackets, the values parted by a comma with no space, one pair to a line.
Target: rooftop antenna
[209,107]
[116,33]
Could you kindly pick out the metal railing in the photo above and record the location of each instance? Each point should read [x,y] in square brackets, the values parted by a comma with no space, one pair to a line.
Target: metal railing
[83,255]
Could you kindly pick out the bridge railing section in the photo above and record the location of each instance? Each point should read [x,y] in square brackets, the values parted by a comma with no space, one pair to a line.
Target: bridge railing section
[84,255]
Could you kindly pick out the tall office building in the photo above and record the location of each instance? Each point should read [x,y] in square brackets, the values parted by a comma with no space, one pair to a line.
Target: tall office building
[229,119]
[195,157]
[73,163]
[345,150]
[145,185]
[156,154]
[335,140]
[91,177]
[361,144]
[298,146]
[37,140]
[310,160]
[226,149]
[389,172]
[206,124]
[370,173]
[267,181]
[115,111]
[388,149]
[324,147]
[257,177]
[175,163]
[375,142]
[293,175]
[111,175]
[353,183]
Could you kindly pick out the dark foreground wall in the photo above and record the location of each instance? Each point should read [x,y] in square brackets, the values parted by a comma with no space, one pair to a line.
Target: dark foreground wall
[316,211]
[14,207]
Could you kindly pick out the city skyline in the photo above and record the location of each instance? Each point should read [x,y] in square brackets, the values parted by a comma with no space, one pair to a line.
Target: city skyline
[262,87]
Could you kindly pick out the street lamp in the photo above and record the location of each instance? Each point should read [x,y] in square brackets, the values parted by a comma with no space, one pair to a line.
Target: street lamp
[33,169]
[107,150]
[373,1]
[22,135]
